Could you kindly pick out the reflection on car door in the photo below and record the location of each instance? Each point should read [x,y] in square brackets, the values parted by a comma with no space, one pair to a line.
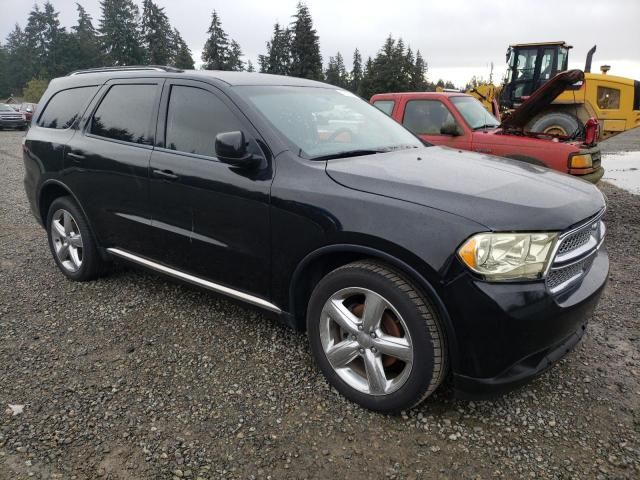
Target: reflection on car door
[209,218]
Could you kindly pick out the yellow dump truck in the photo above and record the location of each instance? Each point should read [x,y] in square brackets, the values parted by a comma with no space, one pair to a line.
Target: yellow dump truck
[613,100]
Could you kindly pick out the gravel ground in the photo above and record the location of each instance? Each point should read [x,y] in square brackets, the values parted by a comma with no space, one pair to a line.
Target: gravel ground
[134,376]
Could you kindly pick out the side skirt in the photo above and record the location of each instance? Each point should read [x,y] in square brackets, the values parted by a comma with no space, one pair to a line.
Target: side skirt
[201,282]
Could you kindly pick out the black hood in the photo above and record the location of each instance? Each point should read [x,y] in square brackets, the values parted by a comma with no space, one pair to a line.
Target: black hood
[542,98]
[498,193]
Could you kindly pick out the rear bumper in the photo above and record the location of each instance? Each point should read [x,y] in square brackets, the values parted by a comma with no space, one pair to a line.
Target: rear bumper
[507,334]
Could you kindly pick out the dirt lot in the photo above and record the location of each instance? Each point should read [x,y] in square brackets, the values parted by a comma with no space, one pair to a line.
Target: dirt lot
[134,376]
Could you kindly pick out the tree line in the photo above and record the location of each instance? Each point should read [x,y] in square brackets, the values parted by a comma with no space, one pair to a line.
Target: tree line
[124,35]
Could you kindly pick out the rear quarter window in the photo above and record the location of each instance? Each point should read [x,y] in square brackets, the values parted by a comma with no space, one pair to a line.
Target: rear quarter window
[66,107]
[385,105]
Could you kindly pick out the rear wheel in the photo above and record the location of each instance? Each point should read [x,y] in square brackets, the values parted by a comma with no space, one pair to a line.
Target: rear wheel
[554,123]
[71,242]
[375,337]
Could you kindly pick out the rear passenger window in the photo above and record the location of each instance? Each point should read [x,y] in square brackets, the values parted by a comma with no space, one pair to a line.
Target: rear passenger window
[385,105]
[65,107]
[126,114]
[194,118]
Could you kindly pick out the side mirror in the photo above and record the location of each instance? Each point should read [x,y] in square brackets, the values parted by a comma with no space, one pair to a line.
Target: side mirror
[450,129]
[231,148]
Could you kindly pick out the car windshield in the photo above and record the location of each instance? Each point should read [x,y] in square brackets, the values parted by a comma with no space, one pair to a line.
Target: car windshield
[474,113]
[328,123]
[5,108]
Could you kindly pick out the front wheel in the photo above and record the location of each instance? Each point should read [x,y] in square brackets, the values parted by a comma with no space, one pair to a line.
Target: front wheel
[554,123]
[376,337]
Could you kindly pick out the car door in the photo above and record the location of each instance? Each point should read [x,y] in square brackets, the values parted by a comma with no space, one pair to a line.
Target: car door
[426,118]
[209,218]
[107,162]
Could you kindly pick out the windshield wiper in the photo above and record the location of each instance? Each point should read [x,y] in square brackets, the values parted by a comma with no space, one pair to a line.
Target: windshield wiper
[349,153]
[486,125]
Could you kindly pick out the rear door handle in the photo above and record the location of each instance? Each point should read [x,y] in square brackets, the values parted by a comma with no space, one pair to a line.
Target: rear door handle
[168,174]
[75,156]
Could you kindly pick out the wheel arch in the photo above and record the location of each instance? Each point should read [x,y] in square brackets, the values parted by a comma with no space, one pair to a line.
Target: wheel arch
[325,259]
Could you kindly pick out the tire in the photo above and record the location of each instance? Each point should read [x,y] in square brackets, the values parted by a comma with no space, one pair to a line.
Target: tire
[554,122]
[397,366]
[71,242]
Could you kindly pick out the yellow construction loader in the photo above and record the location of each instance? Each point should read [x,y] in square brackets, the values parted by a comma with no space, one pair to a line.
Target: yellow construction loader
[613,101]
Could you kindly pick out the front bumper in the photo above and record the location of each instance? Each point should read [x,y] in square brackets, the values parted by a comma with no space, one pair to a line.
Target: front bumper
[593,177]
[13,123]
[508,333]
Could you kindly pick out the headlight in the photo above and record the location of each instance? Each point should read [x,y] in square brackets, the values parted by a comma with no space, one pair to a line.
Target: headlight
[581,161]
[508,256]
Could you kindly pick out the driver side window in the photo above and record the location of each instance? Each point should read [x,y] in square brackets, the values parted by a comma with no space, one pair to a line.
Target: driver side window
[426,117]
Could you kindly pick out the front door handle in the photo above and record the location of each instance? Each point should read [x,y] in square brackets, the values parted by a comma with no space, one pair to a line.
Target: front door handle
[168,174]
[75,156]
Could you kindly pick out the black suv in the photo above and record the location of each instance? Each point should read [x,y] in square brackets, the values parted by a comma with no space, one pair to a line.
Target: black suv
[405,263]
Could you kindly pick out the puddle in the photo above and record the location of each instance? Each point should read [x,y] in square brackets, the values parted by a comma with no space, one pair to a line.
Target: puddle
[623,170]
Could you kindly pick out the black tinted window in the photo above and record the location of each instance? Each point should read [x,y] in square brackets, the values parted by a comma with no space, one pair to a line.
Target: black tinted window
[66,107]
[194,119]
[125,113]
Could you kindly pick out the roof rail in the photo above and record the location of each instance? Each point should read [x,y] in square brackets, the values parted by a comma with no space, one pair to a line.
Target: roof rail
[127,68]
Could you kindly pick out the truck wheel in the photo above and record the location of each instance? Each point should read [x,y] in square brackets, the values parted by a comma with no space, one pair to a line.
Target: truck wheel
[556,123]
[375,337]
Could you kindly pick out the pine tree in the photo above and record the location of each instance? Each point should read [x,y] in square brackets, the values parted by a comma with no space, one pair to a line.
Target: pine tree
[306,61]
[418,81]
[157,36]
[250,67]
[366,85]
[234,59]
[356,73]
[331,73]
[216,50]
[278,57]
[120,35]
[87,45]
[46,41]
[20,67]
[181,56]
[4,73]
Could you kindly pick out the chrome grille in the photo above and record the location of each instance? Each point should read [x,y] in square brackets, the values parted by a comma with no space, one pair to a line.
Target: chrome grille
[574,254]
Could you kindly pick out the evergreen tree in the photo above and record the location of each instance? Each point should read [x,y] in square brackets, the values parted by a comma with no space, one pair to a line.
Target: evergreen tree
[356,73]
[306,61]
[278,57]
[47,42]
[181,56]
[366,85]
[418,81]
[120,35]
[336,73]
[4,73]
[216,50]
[250,67]
[234,59]
[20,66]
[87,44]
[157,35]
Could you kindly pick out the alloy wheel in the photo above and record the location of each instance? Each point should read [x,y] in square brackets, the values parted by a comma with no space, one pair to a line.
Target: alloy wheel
[67,240]
[366,341]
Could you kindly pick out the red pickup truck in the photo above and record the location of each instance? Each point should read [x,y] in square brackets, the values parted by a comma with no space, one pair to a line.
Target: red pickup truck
[460,121]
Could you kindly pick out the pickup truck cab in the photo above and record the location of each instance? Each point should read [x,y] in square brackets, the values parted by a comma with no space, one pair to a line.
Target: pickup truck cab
[460,121]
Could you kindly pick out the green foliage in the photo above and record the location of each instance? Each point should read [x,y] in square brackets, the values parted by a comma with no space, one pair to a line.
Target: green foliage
[336,73]
[278,57]
[306,61]
[182,57]
[219,52]
[34,89]
[156,34]
[120,33]
[4,81]
[87,45]
[356,73]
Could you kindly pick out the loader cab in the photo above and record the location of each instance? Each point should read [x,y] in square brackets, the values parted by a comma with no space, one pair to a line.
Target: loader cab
[529,65]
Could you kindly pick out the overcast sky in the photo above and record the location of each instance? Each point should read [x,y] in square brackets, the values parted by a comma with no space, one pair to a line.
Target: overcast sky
[458,38]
